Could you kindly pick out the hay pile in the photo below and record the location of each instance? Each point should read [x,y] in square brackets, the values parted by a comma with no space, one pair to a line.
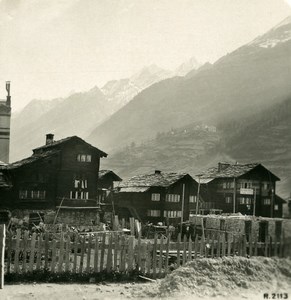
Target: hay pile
[224,276]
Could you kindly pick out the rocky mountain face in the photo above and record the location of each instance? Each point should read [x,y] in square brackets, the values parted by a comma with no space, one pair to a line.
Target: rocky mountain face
[79,113]
[238,85]
[75,115]
[120,92]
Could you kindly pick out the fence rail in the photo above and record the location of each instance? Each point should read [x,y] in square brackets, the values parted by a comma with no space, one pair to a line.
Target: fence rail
[114,251]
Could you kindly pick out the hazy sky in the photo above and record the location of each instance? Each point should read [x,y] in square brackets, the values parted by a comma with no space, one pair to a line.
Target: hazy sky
[49,48]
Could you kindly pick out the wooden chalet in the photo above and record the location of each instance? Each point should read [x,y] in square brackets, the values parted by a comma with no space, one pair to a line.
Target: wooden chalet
[246,188]
[60,176]
[157,197]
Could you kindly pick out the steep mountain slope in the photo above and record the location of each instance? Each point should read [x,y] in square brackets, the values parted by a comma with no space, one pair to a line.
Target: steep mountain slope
[265,138]
[241,83]
[120,92]
[188,66]
[74,115]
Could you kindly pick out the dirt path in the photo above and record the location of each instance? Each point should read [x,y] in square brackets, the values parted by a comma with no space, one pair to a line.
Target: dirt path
[102,292]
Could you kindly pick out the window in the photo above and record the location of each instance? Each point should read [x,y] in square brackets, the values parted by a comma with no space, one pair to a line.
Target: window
[156,197]
[228,185]
[79,195]
[276,207]
[172,198]
[23,194]
[154,213]
[267,201]
[266,186]
[245,200]
[246,184]
[228,199]
[192,199]
[172,214]
[84,158]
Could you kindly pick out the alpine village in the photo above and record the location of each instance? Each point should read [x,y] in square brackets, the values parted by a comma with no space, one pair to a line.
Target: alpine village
[62,211]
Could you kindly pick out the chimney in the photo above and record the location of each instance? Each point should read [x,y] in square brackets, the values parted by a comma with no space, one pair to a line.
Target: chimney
[49,139]
[158,172]
[222,166]
[8,98]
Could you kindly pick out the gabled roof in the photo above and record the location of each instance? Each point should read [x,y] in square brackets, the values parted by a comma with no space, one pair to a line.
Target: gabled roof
[152,180]
[31,159]
[233,171]
[103,173]
[58,143]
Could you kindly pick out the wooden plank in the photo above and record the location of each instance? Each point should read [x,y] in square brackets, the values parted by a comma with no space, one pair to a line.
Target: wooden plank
[88,262]
[228,245]
[207,246]
[281,252]
[234,243]
[143,258]
[130,253]
[39,251]
[270,246]
[239,246]
[139,251]
[244,246]
[96,253]
[189,249]
[67,253]
[256,246]
[115,266]
[54,255]
[122,254]
[61,253]
[32,252]
[123,223]
[46,250]
[76,244]
[109,255]
[251,244]
[148,259]
[2,253]
[102,252]
[223,245]
[218,252]
[167,254]
[155,257]
[131,223]
[178,249]
[266,247]
[24,251]
[17,249]
[196,247]
[212,244]
[83,249]
[184,250]
[161,258]
[9,252]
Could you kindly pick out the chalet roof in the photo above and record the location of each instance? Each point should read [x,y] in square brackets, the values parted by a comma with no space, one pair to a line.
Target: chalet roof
[31,159]
[64,141]
[153,180]
[232,171]
[103,173]
[133,189]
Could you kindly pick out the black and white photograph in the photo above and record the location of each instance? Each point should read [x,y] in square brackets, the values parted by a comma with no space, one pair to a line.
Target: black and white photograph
[145,149]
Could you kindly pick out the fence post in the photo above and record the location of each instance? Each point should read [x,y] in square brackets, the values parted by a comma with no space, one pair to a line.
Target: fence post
[2,252]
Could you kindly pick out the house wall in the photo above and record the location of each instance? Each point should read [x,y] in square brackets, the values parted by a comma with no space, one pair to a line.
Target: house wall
[220,188]
[142,203]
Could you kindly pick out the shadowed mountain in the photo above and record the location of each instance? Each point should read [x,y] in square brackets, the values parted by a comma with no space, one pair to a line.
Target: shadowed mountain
[244,82]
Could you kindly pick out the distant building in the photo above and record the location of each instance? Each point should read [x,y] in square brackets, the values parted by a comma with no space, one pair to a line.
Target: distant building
[157,197]
[60,176]
[5,116]
[246,188]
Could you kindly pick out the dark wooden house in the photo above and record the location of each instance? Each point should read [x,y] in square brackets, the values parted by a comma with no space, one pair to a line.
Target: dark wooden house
[157,197]
[61,176]
[246,188]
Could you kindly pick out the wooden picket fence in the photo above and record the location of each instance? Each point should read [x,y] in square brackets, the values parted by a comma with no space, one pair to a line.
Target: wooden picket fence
[115,251]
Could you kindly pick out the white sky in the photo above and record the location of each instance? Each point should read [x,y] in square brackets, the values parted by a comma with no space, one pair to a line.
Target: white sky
[49,48]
